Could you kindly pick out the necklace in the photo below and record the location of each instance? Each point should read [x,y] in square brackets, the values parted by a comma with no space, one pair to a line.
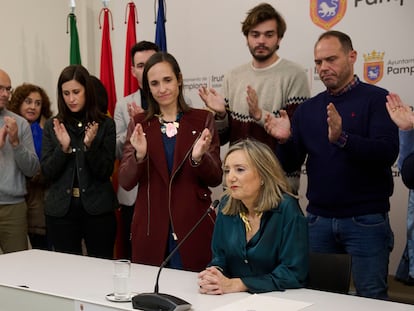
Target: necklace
[78,122]
[246,221]
[169,128]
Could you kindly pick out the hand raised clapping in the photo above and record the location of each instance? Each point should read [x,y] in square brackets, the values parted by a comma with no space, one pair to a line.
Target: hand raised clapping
[139,142]
[202,145]
[9,129]
[91,130]
[278,127]
[61,135]
[213,100]
[400,113]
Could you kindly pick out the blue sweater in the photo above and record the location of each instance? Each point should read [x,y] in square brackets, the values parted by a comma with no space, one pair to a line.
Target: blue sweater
[275,258]
[353,180]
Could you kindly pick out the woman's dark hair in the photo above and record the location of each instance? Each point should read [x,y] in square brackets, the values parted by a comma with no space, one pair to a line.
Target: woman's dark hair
[153,106]
[20,94]
[101,94]
[91,109]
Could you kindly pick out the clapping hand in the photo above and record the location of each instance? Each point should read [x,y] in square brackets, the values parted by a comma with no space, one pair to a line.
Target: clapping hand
[91,130]
[3,135]
[202,145]
[252,100]
[334,123]
[139,142]
[134,109]
[400,113]
[11,130]
[213,100]
[278,127]
[61,135]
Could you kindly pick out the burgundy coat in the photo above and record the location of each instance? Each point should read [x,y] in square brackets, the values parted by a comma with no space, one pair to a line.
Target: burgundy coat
[180,199]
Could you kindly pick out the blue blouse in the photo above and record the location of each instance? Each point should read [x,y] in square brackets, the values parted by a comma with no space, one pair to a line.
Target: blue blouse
[37,134]
[276,257]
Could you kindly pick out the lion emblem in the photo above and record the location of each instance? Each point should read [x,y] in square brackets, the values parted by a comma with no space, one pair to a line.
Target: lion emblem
[326,11]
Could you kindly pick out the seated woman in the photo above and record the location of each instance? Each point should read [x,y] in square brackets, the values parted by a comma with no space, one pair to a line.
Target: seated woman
[260,239]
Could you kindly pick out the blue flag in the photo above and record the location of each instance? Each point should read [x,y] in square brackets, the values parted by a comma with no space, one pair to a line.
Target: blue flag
[160,36]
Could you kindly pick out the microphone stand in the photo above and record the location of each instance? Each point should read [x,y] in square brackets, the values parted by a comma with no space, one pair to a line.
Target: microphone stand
[163,302]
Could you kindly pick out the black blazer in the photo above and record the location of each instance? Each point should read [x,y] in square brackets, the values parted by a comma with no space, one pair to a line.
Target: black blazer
[90,169]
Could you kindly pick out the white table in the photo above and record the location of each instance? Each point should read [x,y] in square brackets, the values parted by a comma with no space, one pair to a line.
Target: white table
[57,281]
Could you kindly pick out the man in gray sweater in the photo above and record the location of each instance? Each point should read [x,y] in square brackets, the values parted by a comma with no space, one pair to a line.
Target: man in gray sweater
[18,160]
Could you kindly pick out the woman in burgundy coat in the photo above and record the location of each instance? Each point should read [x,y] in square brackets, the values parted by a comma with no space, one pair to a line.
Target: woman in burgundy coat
[172,151]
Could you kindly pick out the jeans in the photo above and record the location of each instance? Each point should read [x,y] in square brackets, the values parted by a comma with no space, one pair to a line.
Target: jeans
[368,239]
[405,271]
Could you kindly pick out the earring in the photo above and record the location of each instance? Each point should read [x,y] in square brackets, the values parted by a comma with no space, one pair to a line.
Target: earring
[261,183]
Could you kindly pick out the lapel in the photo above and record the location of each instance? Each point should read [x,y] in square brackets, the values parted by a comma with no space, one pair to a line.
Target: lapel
[155,145]
[188,132]
[187,135]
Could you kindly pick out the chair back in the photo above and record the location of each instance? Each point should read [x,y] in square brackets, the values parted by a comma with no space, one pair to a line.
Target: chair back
[329,272]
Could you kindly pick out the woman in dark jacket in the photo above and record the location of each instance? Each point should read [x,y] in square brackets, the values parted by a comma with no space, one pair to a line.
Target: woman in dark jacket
[173,152]
[31,102]
[78,156]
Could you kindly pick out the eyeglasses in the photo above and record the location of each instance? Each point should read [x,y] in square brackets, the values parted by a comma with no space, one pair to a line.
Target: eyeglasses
[7,89]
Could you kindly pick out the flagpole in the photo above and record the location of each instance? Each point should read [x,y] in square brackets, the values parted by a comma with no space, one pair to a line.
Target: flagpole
[72,5]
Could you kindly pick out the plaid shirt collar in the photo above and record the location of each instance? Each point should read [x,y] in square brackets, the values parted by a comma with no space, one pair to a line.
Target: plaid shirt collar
[354,82]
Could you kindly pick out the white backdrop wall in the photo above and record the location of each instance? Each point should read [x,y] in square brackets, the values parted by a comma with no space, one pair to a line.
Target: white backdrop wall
[206,38]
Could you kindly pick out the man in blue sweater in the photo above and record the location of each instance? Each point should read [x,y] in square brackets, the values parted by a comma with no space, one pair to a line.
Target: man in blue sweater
[350,143]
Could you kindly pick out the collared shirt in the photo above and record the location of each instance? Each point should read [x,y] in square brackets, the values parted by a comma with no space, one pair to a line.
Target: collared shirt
[352,84]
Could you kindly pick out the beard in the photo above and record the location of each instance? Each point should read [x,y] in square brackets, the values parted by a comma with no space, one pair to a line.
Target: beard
[262,53]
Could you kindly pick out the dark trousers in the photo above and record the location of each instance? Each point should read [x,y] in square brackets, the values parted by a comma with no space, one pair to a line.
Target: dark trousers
[40,241]
[126,217]
[98,231]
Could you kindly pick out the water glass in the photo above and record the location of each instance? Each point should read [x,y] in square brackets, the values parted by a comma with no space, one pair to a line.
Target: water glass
[122,271]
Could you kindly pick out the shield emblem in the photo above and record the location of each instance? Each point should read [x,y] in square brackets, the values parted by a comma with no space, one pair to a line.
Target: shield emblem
[373,71]
[327,13]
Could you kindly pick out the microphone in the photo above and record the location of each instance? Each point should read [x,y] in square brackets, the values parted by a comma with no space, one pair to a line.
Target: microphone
[163,302]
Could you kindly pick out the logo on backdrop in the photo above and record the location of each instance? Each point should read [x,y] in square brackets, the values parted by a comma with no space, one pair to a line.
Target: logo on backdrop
[214,81]
[327,13]
[373,67]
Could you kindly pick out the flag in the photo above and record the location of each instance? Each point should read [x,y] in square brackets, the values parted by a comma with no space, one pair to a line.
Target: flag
[107,78]
[107,68]
[130,82]
[74,54]
[160,35]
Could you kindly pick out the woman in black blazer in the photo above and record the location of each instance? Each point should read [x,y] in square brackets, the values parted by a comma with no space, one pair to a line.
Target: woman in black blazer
[78,157]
